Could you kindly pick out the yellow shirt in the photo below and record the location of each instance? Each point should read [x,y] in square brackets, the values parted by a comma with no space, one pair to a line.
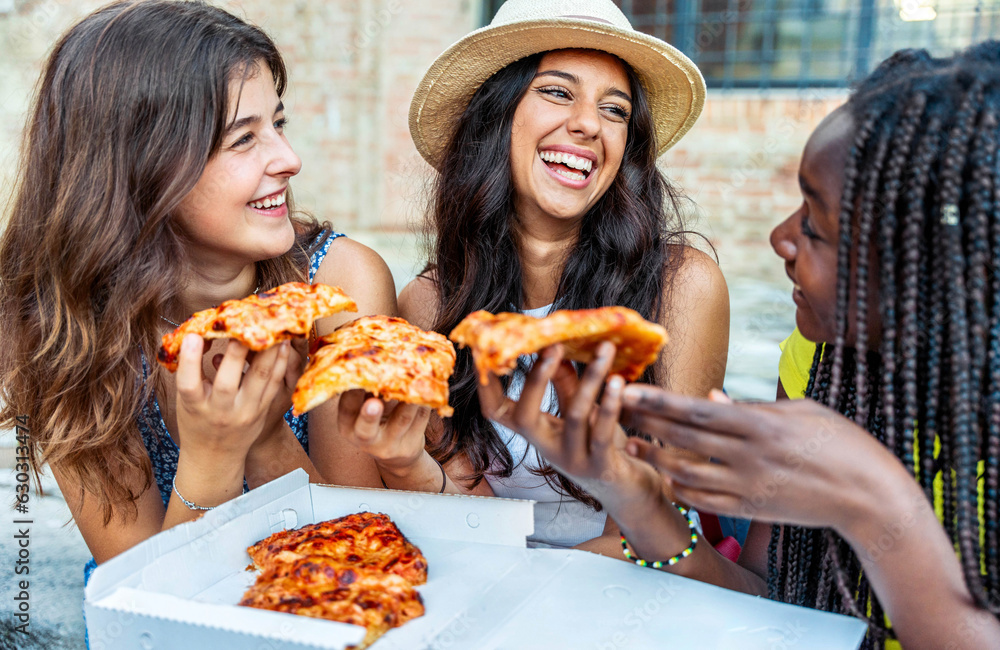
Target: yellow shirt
[797,354]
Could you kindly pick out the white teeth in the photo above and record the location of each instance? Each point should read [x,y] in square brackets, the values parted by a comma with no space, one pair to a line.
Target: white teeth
[568,159]
[270,202]
[570,175]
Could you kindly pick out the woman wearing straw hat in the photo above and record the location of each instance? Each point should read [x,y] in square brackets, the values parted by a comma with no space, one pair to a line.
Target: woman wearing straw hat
[545,127]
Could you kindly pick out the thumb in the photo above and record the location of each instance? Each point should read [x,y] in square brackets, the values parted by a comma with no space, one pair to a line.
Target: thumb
[648,452]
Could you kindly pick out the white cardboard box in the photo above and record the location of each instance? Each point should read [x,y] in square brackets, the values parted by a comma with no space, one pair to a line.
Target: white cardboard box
[485,589]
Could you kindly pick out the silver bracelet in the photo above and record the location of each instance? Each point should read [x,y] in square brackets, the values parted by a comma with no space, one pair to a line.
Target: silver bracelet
[190,505]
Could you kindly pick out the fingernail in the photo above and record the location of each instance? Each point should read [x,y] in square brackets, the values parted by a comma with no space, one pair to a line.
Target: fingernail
[371,408]
[631,449]
[616,383]
[717,395]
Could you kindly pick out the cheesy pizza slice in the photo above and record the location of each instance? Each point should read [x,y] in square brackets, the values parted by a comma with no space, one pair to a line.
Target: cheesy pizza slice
[382,355]
[324,587]
[260,320]
[497,340]
[364,540]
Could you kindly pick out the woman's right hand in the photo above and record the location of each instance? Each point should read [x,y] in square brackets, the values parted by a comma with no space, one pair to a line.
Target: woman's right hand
[221,419]
[394,434]
[586,444]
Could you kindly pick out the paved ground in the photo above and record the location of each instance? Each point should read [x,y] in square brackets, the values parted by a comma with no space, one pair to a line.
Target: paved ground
[762,315]
[57,556]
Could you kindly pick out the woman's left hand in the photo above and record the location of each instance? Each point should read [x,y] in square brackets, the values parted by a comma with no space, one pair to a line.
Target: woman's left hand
[794,462]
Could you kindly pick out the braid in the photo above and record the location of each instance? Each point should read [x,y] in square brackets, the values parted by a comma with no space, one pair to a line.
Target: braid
[987,200]
[887,234]
[866,217]
[773,550]
[843,252]
[919,180]
[931,399]
[964,438]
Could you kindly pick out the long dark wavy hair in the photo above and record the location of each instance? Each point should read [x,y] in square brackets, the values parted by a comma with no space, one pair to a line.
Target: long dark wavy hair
[921,190]
[623,255]
[132,103]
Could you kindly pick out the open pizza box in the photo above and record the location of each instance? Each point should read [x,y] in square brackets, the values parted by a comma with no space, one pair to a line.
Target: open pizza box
[485,589]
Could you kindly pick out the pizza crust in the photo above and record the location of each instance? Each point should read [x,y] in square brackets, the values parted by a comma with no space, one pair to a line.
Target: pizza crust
[383,355]
[498,340]
[260,320]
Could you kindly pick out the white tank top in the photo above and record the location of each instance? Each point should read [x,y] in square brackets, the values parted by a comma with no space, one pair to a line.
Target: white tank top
[560,520]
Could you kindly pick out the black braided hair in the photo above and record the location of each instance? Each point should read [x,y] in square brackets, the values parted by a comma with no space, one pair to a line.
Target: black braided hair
[922,195]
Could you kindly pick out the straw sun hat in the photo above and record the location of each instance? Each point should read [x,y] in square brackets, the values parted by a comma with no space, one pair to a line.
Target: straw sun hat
[521,28]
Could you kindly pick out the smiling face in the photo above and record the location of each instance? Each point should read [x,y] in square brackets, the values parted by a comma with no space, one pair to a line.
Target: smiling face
[569,133]
[236,211]
[808,239]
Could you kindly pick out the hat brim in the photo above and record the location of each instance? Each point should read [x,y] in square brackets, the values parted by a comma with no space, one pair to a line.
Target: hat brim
[674,85]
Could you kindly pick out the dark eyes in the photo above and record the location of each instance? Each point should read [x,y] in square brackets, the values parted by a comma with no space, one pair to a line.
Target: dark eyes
[807,228]
[561,93]
[279,126]
[555,91]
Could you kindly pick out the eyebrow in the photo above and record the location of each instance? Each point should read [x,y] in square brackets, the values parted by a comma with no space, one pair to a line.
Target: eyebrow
[572,78]
[811,192]
[250,119]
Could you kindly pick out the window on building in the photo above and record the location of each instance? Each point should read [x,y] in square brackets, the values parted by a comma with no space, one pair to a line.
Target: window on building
[804,43]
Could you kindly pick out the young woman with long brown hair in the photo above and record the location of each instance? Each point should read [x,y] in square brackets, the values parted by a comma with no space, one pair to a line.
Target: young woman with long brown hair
[545,128]
[154,183]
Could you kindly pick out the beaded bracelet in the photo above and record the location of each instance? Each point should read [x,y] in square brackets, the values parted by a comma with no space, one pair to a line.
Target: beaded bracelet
[692,526]
[190,505]
[444,477]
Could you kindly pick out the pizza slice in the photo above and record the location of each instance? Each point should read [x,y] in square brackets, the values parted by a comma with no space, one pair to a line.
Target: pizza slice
[357,569]
[324,587]
[260,320]
[498,340]
[382,355]
[365,540]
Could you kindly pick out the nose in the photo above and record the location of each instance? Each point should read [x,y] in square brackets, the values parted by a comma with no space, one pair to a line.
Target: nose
[783,240]
[585,120]
[284,162]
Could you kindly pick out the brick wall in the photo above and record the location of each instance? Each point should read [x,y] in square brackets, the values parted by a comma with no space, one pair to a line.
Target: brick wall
[353,68]
[739,165]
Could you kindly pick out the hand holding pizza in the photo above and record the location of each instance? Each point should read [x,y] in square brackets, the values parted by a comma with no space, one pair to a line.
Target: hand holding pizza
[223,418]
[391,432]
[586,444]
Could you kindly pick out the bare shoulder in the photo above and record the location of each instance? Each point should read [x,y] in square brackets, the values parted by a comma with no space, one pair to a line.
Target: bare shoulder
[698,276]
[696,314]
[418,301]
[348,259]
[363,275]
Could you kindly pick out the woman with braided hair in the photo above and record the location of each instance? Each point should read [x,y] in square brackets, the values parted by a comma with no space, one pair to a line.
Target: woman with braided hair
[883,486]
